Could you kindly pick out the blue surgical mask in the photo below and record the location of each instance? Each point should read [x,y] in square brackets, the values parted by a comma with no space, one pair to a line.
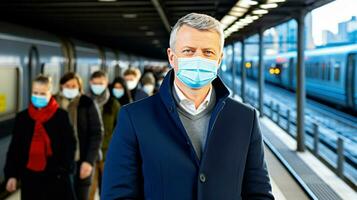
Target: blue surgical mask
[70,93]
[118,93]
[39,101]
[97,89]
[149,88]
[196,72]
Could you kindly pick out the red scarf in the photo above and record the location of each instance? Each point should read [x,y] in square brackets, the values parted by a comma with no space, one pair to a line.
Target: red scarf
[40,147]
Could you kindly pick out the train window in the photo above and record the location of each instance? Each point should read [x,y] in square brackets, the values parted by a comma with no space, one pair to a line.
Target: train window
[328,71]
[111,72]
[316,70]
[94,68]
[323,71]
[308,70]
[54,71]
[9,91]
[337,69]
[83,72]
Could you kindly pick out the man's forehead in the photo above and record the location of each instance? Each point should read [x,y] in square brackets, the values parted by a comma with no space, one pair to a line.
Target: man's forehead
[191,37]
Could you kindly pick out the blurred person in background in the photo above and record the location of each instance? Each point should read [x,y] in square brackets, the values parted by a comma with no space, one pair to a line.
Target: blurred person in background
[109,108]
[132,77]
[148,82]
[120,91]
[41,152]
[85,116]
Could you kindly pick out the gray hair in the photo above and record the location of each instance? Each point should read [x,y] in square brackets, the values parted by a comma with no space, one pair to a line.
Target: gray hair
[197,21]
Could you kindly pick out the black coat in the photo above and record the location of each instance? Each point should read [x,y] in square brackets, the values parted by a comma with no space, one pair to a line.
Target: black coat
[90,129]
[63,144]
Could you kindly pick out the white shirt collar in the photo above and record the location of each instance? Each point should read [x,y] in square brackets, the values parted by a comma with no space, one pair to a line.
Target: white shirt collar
[189,105]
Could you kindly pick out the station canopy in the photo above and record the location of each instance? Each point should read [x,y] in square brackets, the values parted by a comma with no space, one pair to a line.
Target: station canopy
[143,27]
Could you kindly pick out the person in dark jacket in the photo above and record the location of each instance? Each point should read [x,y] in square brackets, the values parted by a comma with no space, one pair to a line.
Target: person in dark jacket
[190,140]
[132,77]
[120,91]
[85,117]
[41,152]
[109,108]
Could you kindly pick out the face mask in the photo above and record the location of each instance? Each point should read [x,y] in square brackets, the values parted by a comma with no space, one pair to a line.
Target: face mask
[70,93]
[118,93]
[148,89]
[39,101]
[97,89]
[196,72]
[131,84]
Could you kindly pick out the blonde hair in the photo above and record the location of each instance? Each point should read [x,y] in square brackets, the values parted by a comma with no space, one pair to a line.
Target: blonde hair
[43,80]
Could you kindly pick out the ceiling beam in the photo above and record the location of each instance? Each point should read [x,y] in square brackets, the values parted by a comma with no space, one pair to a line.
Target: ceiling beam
[76,4]
[162,14]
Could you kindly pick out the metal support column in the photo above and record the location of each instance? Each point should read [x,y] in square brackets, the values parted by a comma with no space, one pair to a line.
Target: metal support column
[233,72]
[243,72]
[261,76]
[300,87]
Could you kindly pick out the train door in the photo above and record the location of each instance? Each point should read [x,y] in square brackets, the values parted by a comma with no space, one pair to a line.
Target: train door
[350,79]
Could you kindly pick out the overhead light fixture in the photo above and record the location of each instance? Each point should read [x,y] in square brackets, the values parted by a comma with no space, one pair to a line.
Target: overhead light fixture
[260,12]
[130,15]
[251,2]
[228,19]
[143,27]
[255,17]
[107,0]
[269,6]
[236,14]
[149,33]
[246,3]
[155,41]
[240,23]
[239,9]
[247,20]
[243,22]
[275,1]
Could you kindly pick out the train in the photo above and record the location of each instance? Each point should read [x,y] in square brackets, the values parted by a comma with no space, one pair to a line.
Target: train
[25,53]
[330,72]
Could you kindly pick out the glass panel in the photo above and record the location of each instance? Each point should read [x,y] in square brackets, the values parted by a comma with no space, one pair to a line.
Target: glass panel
[83,72]
[9,91]
[94,68]
[54,71]
[337,69]
[111,73]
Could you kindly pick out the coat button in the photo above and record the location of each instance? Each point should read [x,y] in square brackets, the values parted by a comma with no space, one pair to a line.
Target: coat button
[202,178]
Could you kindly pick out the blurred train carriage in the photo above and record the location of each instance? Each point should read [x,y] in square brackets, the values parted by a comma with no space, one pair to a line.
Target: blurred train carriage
[331,74]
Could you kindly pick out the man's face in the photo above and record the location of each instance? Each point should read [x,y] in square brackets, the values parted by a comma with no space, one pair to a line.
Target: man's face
[100,81]
[191,42]
[130,77]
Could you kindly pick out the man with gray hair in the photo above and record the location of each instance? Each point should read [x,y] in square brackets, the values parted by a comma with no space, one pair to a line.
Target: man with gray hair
[190,140]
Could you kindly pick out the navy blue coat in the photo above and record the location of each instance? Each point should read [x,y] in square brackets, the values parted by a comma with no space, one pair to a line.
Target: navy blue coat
[151,156]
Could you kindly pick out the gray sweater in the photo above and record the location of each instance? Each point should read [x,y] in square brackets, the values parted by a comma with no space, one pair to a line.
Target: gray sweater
[196,126]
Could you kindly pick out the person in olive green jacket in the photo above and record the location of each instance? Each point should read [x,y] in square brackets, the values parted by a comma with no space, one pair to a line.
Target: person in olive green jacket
[109,108]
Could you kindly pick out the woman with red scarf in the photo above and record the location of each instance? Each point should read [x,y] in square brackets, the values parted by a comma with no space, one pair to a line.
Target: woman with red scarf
[41,152]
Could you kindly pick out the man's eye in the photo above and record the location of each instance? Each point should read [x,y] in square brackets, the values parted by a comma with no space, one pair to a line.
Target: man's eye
[209,53]
[187,51]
